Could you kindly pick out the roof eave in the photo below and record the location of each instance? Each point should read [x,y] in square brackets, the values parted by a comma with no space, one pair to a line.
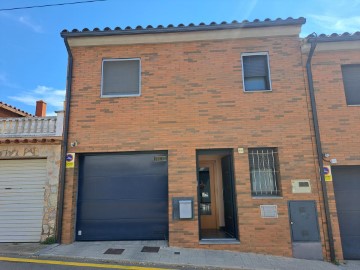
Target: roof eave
[137,31]
[334,38]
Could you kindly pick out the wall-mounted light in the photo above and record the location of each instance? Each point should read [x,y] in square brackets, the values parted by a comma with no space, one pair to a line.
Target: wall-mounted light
[240,150]
[333,161]
[74,143]
[326,158]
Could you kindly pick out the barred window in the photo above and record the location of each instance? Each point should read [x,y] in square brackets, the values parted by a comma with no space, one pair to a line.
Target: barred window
[264,171]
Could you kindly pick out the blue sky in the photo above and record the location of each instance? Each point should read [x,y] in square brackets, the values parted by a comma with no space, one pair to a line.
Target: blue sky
[33,57]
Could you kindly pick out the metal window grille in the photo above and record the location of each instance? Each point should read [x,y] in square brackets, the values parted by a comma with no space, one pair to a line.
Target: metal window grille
[264,171]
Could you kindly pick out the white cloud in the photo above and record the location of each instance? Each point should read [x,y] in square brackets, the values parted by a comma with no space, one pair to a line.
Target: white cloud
[24,20]
[337,24]
[53,97]
[29,23]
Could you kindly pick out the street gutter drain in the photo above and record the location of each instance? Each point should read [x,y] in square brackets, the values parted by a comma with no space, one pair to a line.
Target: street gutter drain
[150,249]
[115,251]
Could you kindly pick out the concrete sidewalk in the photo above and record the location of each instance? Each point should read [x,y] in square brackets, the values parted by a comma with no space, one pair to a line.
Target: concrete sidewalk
[168,256]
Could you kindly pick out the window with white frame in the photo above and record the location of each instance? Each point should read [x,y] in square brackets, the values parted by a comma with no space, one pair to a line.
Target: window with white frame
[256,72]
[121,77]
[351,79]
[264,171]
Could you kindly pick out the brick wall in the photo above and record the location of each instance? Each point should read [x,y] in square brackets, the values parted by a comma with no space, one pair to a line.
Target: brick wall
[339,123]
[192,98]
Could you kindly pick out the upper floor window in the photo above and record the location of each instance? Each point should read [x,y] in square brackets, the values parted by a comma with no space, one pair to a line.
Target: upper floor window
[264,171]
[351,79]
[121,77]
[256,72]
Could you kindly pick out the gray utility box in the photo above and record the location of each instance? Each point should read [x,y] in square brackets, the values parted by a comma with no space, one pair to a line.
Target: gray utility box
[183,208]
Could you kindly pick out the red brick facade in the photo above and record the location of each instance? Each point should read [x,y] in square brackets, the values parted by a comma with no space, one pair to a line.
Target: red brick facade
[192,98]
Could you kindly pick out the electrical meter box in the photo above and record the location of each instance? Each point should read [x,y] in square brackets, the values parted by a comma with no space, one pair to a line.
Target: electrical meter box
[301,186]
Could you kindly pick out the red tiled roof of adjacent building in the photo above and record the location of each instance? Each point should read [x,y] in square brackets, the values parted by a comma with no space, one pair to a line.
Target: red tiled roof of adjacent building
[14,109]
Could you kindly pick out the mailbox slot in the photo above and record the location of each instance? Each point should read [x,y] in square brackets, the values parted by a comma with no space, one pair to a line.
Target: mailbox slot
[183,208]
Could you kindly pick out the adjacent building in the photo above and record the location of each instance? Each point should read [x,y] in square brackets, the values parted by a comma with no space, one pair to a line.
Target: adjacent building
[336,79]
[30,154]
[8,111]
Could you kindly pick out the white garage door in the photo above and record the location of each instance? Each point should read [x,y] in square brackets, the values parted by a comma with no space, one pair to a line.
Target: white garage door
[22,187]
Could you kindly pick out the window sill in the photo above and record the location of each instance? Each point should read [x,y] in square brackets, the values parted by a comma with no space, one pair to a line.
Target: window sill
[119,96]
[256,91]
[220,241]
[268,197]
[353,105]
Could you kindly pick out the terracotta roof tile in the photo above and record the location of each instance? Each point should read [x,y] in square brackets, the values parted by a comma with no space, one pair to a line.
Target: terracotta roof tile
[14,109]
[334,37]
[182,28]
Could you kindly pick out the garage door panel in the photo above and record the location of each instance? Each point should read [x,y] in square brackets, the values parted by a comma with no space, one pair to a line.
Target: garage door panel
[123,197]
[22,187]
[20,208]
[12,230]
[12,200]
[23,192]
[348,174]
[115,187]
[124,229]
[124,209]
[346,199]
[97,165]
[23,215]
[347,194]
[352,224]
[8,180]
[351,245]
[19,221]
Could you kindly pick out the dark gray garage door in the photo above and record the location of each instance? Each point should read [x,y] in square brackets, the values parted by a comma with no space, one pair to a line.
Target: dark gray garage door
[123,197]
[347,194]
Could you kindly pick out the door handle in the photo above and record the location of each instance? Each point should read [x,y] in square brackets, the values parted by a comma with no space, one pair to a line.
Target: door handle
[292,223]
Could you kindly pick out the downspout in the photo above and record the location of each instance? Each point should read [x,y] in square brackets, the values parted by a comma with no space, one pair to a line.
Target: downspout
[313,42]
[65,142]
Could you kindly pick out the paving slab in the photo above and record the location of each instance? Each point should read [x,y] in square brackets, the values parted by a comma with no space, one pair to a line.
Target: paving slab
[350,265]
[182,256]
[25,249]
